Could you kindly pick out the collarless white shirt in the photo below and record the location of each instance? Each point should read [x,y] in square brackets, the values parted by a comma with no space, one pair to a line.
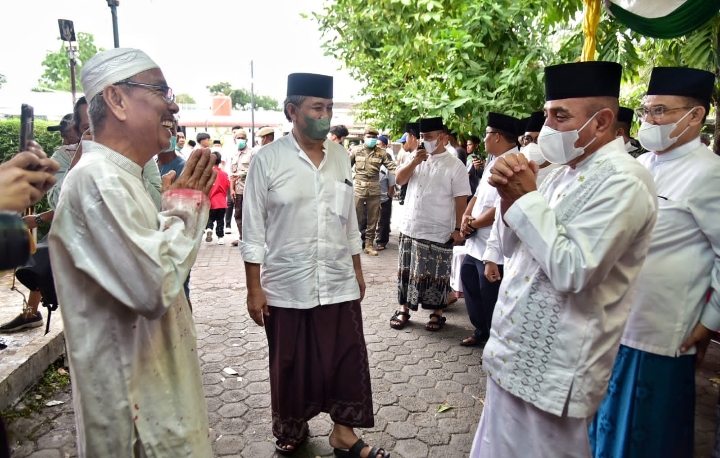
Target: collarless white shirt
[485,198]
[684,258]
[576,248]
[119,268]
[299,222]
[430,197]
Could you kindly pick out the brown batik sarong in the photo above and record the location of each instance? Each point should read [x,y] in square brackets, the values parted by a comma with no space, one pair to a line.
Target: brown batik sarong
[318,363]
[423,273]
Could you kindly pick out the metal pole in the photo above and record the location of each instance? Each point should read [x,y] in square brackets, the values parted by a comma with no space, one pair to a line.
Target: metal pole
[113,4]
[252,104]
[72,78]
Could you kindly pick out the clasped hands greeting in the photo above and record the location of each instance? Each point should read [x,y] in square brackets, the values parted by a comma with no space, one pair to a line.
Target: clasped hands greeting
[513,176]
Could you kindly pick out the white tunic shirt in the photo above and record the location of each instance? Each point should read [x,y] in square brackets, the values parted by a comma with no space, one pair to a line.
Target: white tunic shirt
[119,269]
[430,197]
[485,198]
[577,247]
[684,258]
[493,246]
[299,222]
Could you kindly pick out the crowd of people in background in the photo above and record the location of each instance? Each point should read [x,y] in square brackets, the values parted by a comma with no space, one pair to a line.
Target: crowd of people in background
[589,261]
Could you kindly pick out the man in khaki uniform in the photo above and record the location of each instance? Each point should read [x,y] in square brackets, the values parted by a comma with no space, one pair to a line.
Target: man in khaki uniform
[367,159]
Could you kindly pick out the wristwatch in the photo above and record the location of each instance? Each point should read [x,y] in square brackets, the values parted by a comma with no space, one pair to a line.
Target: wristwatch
[38,220]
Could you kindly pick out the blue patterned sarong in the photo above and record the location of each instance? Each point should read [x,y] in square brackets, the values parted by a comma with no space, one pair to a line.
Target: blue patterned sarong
[649,409]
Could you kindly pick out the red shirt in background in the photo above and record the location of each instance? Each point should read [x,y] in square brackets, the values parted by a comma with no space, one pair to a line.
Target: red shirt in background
[219,190]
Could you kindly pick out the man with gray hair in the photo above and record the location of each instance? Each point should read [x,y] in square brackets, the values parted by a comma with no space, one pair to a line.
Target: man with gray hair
[131,342]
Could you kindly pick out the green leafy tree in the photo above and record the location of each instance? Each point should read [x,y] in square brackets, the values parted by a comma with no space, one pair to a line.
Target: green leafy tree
[241,98]
[57,65]
[3,80]
[184,98]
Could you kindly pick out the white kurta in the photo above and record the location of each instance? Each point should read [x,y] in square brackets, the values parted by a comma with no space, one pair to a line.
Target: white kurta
[684,258]
[299,222]
[430,197]
[119,269]
[486,197]
[577,247]
[493,246]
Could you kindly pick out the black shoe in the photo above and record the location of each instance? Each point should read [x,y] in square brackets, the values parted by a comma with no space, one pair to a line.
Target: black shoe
[20,322]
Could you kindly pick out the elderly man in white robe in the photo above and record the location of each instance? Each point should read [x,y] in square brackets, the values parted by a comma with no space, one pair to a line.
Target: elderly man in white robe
[650,408]
[119,268]
[576,247]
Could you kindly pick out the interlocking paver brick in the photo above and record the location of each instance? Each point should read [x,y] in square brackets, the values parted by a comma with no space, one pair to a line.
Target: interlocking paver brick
[413,372]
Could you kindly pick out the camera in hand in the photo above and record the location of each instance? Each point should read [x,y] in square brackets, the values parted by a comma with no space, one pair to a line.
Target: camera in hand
[14,241]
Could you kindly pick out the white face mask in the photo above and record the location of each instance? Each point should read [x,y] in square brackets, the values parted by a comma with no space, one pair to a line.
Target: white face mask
[430,146]
[656,137]
[559,147]
[532,152]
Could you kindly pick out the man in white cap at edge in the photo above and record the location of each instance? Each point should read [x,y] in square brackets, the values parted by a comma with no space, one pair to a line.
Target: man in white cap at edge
[120,266]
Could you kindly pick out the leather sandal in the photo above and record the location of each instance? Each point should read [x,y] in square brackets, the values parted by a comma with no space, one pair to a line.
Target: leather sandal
[354,451]
[396,317]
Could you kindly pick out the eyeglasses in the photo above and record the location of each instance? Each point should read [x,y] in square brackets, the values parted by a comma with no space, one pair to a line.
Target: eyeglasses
[491,132]
[166,91]
[657,112]
[529,139]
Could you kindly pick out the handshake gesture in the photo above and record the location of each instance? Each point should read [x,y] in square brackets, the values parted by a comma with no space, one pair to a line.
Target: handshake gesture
[513,176]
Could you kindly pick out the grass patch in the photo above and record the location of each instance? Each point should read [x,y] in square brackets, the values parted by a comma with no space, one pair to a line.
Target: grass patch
[34,400]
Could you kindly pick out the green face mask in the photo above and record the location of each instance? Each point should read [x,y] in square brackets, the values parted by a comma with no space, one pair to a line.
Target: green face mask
[317,129]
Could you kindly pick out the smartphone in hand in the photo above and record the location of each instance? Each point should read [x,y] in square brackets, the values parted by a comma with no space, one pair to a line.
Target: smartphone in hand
[27,125]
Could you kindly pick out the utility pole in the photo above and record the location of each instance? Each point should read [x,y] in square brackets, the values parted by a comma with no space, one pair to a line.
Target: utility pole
[113,4]
[252,103]
[67,34]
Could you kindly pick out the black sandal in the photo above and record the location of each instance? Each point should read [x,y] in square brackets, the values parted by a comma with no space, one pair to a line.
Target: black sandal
[285,451]
[434,326]
[396,316]
[354,451]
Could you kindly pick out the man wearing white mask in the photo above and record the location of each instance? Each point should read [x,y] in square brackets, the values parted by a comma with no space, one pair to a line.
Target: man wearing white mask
[481,293]
[650,408]
[436,199]
[624,122]
[576,246]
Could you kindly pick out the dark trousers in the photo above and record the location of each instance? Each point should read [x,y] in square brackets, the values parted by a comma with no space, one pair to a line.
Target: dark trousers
[216,216]
[383,230]
[238,214]
[229,211]
[480,295]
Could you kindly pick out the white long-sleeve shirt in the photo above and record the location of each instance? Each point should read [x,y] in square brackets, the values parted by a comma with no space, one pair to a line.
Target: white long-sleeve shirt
[299,222]
[430,197]
[119,269]
[493,246]
[684,258]
[577,247]
[486,197]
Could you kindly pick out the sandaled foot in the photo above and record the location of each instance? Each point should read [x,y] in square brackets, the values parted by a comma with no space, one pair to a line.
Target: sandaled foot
[286,447]
[399,319]
[452,298]
[436,322]
[380,247]
[361,450]
[472,342]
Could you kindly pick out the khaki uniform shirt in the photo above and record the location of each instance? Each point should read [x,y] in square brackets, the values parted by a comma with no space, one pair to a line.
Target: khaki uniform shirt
[239,166]
[367,162]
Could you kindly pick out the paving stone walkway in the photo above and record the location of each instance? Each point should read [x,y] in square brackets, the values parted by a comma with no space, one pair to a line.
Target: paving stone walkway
[413,372]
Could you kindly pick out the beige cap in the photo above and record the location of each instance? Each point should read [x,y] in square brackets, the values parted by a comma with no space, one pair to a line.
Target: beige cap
[265,131]
[371,130]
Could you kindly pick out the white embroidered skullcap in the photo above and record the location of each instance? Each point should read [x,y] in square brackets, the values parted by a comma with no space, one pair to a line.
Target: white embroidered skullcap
[109,67]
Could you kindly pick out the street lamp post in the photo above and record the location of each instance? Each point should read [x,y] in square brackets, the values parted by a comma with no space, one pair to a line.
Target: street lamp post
[252,104]
[67,34]
[113,4]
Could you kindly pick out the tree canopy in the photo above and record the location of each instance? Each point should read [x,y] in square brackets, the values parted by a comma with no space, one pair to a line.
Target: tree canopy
[241,97]
[460,59]
[57,65]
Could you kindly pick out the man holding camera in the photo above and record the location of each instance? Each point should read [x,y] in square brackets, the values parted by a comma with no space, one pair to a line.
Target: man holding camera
[131,341]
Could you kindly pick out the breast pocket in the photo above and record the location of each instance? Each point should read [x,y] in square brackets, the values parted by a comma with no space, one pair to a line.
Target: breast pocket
[359,163]
[343,201]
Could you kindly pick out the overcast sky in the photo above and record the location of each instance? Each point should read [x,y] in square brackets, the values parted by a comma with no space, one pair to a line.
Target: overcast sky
[196,43]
